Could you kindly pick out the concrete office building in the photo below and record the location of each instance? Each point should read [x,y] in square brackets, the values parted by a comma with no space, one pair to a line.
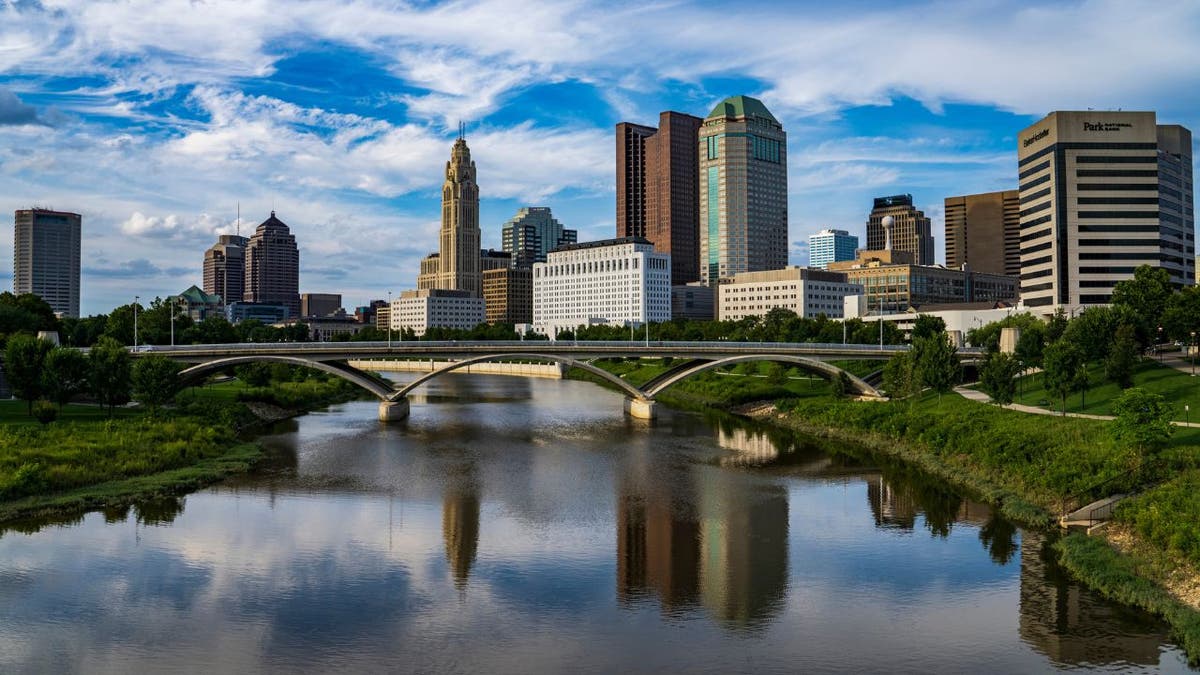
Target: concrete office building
[743,190]
[46,257]
[807,292]
[984,232]
[1101,194]
[320,304]
[273,267]
[423,309]
[266,312]
[225,268]
[456,265]
[531,234]
[892,283]
[658,189]
[829,246]
[905,229]
[198,305]
[508,295]
[615,281]
[693,301]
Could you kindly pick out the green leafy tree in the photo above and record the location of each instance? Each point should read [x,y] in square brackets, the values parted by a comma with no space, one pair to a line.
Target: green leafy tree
[109,372]
[64,375]
[1145,297]
[927,326]
[23,358]
[998,376]
[256,374]
[44,411]
[1122,357]
[937,363]
[155,381]
[1056,326]
[1143,421]
[1060,369]
[840,385]
[1182,314]
[900,378]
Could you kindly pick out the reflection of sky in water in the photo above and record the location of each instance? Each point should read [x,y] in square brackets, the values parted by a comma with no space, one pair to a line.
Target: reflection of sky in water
[527,526]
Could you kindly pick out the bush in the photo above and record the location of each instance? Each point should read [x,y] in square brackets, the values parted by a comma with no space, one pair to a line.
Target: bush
[44,411]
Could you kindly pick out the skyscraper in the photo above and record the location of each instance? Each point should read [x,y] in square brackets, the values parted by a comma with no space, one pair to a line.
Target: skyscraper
[658,184]
[1102,193]
[456,265]
[829,246]
[984,232]
[910,233]
[533,233]
[46,257]
[225,268]
[273,266]
[743,190]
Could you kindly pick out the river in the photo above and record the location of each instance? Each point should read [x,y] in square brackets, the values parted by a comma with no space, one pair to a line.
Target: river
[520,526]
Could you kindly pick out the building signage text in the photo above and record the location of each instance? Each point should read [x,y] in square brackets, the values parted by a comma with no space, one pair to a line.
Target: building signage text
[1036,137]
[1106,126]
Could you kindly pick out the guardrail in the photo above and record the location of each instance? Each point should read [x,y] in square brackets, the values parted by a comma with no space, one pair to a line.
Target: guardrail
[530,345]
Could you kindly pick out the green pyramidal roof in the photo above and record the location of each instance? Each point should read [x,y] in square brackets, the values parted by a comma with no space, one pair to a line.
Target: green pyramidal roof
[741,106]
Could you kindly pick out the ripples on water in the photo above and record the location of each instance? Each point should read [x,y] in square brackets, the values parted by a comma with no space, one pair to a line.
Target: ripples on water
[517,525]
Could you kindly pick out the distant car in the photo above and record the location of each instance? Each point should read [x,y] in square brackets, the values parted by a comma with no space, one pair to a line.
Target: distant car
[144,348]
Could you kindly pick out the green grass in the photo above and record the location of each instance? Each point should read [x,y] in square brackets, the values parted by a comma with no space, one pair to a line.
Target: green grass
[15,413]
[1168,516]
[1178,388]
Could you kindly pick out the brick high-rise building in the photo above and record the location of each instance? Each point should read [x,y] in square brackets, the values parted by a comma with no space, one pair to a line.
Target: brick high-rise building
[225,268]
[46,257]
[273,266]
[984,232]
[508,295]
[658,189]
[910,228]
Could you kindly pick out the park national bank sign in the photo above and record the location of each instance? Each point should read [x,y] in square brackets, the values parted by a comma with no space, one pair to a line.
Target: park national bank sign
[1106,126]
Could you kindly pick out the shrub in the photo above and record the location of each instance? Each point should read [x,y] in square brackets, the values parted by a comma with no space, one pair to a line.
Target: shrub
[44,411]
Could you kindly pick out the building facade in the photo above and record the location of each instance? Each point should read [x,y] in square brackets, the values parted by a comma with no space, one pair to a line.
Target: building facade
[272,269]
[320,304]
[198,305]
[457,264]
[806,291]
[743,190]
[616,281]
[631,178]
[895,224]
[892,284]
[983,231]
[532,233]
[225,268]
[1101,194]
[46,257]
[423,309]
[829,246]
[508,295]
[266,312]
[693,301]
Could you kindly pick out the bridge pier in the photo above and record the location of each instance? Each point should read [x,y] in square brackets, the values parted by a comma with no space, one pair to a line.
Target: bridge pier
[393,411]
[641,408]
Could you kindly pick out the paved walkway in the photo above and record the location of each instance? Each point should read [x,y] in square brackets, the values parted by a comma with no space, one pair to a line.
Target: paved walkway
[981,397]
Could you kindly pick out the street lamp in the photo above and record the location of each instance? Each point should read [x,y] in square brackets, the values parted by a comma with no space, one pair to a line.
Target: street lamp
[1158,345]
[1192,348]
[390,321]
[135,331]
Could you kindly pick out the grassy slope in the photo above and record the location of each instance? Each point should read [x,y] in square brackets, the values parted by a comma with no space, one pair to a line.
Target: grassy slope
[1178,388]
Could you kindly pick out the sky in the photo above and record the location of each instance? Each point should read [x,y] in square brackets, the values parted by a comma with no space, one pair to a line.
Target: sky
[158,119]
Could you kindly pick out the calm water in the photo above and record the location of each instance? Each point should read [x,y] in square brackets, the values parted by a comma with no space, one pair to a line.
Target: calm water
[521,526]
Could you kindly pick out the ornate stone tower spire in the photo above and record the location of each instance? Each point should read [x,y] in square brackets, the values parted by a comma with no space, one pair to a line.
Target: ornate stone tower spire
[459,246]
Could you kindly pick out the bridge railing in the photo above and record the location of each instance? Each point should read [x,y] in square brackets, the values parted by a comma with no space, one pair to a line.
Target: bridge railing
[530,345]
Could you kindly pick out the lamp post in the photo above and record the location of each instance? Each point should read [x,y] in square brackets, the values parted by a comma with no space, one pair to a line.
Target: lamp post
[135,331]
[1158,345]
[173,301]
[390,321]
[1192,348]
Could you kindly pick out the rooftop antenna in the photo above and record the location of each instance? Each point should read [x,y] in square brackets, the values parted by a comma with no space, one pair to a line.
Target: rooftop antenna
[462,131]
[239,220]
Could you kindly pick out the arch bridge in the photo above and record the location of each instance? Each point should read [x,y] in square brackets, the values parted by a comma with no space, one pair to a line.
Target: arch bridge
[693,358]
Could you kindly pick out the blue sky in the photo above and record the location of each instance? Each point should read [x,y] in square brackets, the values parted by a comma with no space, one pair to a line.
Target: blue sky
[155,118]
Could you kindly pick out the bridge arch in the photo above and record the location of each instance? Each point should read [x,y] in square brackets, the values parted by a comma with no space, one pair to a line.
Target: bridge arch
[629,389]
[381,388]
[826,370]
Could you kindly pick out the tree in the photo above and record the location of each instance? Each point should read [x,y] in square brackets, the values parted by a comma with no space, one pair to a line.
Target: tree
[257,374]
[1122,357]
[1094,328]
[110,372]
[1182,315]
[155,381]
[1145,296]
[927,326]
[23,357]
[1060,369]
[937,363]
[64,375]
[840,384]
[900,376]
[1143,421]
[1056,326]
[999,377]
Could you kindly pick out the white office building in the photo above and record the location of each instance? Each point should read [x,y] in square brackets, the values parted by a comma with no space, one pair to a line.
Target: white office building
[423,309]
[829,246]
[807,292]
[614,281]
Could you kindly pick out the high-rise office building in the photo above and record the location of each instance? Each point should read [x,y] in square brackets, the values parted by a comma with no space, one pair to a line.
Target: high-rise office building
[508,295]
[225,268]
[320,304]
[1101,194]
[743,190]
[910,228]
[533,233]
[46,257]
[273,266]
[658,189]
[829,246]
[983,231]
[456,265]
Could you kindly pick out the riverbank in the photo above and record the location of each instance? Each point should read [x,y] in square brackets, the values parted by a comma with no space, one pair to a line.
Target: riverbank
[86,461]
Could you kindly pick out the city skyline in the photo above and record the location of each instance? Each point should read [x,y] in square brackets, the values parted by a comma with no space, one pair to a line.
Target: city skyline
[342,124]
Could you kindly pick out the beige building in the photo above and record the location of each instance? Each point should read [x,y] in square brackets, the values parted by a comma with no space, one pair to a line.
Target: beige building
[225,268]
[508,295]
[272,270]
[983,231]
[895,224]
[892,284]
[457,264]
[743,190]
[46,257]
[1101,194]
[806,291]
[423,309]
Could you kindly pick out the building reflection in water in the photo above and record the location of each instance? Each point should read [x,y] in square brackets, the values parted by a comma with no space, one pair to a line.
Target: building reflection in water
[460,523]
[751,447]
[1072,626]
[710,539]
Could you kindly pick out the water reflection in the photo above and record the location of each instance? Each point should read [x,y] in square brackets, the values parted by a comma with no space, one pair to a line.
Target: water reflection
[460,522]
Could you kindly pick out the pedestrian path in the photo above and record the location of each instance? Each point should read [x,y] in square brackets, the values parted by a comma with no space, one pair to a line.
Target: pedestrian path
[981,397]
